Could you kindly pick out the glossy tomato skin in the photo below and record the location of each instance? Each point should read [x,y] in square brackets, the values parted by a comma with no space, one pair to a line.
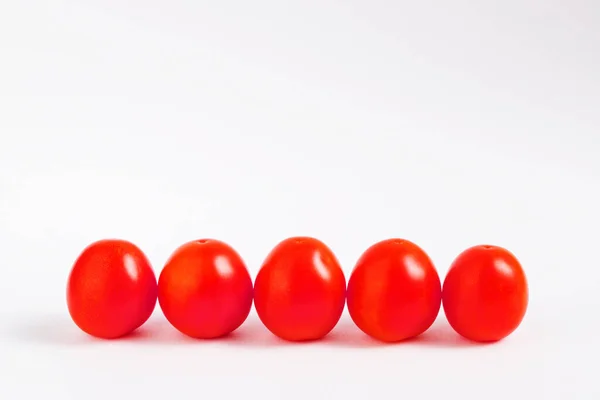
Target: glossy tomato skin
[205,290]
[394,292]
[485,293]
[112,289]
[300,290]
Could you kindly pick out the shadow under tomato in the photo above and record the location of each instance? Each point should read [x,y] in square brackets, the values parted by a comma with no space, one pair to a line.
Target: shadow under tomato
[60,330]
[49,330]
[254,334]
[55,330]
[158,331]
[348,335]
[442,335]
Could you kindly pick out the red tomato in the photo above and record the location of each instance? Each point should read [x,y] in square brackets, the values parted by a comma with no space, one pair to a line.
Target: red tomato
[111,289]
[205,290]
[394,292]
[300,290]
[485,293]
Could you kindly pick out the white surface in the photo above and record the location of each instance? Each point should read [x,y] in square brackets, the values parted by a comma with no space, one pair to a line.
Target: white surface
[352,121]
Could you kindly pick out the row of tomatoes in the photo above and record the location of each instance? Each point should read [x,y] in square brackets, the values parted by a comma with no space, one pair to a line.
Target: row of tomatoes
[205,291]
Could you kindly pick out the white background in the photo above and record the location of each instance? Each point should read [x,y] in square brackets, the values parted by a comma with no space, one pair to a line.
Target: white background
[446,123]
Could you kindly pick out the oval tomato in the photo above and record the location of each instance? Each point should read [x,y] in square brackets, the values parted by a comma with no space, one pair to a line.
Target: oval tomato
[300,290]
[485,293]
[205,290]
[394,292]
[111,290]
